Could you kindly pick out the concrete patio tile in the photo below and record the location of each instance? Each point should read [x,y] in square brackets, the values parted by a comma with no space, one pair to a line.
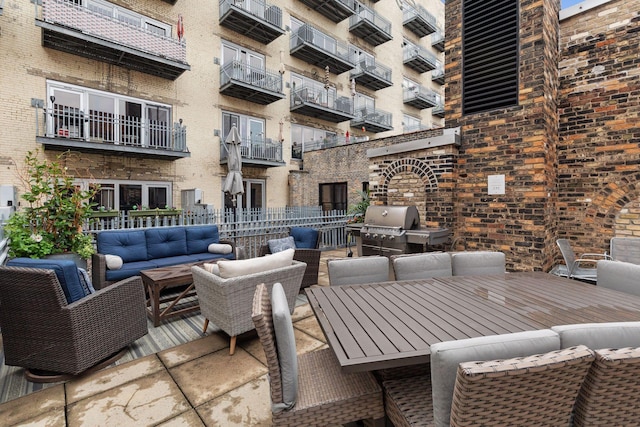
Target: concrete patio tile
[311,327]
[192,350]
[247,405]
[186,419]
[142,402]
[210,376]
[301,312]
[304,344]
[43,408]
[106,379]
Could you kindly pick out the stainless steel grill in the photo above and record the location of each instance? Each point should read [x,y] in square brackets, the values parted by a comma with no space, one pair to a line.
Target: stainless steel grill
[395,230]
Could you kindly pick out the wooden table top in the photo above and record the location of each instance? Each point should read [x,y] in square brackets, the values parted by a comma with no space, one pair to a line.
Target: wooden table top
[393,324]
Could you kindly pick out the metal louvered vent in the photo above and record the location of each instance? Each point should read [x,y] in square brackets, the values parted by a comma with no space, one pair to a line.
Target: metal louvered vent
[490,55]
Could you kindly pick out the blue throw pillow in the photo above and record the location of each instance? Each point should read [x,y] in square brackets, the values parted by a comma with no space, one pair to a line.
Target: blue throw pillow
[305,238]
[66,271]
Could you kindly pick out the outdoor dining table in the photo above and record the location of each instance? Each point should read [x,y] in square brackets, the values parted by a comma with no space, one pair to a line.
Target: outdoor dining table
[392,324]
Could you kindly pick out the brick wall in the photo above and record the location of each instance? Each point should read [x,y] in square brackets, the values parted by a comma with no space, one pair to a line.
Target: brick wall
[599,127]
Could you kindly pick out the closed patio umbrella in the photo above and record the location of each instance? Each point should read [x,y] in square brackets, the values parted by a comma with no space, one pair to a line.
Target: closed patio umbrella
[233,181]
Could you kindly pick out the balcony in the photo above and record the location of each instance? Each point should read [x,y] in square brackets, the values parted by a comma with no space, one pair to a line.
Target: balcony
[370,26]
[419,21]
[372,120]
[64,128]
[252,18]
[319,49]
[371,75]
[437,74]
[336,10]
[419,97]
[320,104]
[437,40]
[253,84]
[438,110]
[77,30]
[418,58]
[256,152]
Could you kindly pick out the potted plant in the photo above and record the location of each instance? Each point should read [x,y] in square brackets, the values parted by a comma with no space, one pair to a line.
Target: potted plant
[50,222]
[355,216]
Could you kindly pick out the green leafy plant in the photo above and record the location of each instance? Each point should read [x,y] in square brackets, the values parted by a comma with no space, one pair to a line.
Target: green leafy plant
[356,212]
[56,208]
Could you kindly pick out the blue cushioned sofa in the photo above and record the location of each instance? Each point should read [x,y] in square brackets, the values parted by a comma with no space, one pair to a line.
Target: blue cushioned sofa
[153,248]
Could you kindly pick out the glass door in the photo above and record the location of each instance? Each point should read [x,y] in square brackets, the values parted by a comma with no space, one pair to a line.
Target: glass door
[66,114]
[159,129]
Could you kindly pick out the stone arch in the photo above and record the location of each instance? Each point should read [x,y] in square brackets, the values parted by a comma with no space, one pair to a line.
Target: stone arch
[409,165]
[603,212]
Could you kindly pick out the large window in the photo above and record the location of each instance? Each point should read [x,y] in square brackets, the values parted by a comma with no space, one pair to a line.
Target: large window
[247,65]
[254,196]
[302,136]
[252,130]
[97,116]
[124,195]
[333,196]
[410,123]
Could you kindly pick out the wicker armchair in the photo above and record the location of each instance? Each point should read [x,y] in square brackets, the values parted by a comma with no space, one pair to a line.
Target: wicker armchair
[227,302]
[325,395]
[41,331]
[311,257]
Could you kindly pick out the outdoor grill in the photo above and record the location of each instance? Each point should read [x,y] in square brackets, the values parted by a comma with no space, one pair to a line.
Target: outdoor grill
[394,230]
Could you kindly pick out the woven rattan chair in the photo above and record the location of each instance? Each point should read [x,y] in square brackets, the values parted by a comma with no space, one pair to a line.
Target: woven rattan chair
[326,395]
[408,402]
[532,390]
[311,257]
[42,332]
[227,302]
[609,394]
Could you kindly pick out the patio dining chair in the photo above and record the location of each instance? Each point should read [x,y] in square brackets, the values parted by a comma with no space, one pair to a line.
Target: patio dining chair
[475,263]
[516,392]
[309,389]
[625,249]
[582,267]
[354,271]
[618,275]
[422,266]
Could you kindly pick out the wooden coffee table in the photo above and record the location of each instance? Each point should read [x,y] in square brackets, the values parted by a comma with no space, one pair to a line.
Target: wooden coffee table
[160,307]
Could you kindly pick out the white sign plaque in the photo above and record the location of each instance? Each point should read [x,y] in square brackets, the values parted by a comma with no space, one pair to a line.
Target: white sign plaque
[495,184]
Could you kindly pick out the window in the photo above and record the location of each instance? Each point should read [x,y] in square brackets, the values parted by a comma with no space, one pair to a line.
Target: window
[410,123]
[253,198]
[490,55]
[364,105]
[302,136]
[333,196]
[247,65]
[105,117]
[251,130]
[309,90]
[124,195]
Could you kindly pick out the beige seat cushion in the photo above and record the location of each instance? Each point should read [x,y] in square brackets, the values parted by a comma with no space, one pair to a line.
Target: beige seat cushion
[242,267]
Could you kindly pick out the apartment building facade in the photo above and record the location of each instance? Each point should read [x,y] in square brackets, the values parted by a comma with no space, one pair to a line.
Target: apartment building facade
[139,96]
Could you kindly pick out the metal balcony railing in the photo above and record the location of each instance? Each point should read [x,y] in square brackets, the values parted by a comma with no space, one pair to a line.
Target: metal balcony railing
[437,40]
[371,67]
[75,16]
[409,13]
[258,8]
[420,92]
[376,116]
[414,128]
[255,76]
[255,148]
[321,97]
[99,127]
[369,15]
[321,41]
[412,51]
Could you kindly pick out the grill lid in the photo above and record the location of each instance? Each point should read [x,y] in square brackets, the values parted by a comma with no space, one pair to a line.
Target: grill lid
[405,217]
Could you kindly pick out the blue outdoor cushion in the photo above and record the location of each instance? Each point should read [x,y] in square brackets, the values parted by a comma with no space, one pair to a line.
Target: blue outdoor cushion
[66,271]
[199,238]
[165,242]
[305,238]
[131,246]
[128,269]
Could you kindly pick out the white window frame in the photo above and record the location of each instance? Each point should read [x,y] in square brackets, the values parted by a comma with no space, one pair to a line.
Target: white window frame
[145,186]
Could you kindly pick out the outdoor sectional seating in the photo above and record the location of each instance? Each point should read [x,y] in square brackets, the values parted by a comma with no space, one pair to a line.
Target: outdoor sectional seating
[137,250]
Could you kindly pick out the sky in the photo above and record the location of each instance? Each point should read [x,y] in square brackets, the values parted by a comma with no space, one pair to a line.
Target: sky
[566,3]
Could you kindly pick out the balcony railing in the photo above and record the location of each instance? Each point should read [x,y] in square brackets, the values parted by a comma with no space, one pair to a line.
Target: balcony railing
[370,26]
[373,120]
[320,144]
[437,40]
[256,151]
[418,58]
[319,49]
[255,84]
[70,27]
[64,128]
[419,97]
[419,20]
[320,103]
[372,75]
[336,10]
[414,128]
[437,74]
[256,19]
[438,110]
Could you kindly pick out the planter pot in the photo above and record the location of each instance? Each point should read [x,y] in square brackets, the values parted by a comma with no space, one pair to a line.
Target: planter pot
[80,262]
[155,212]
[105,214]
